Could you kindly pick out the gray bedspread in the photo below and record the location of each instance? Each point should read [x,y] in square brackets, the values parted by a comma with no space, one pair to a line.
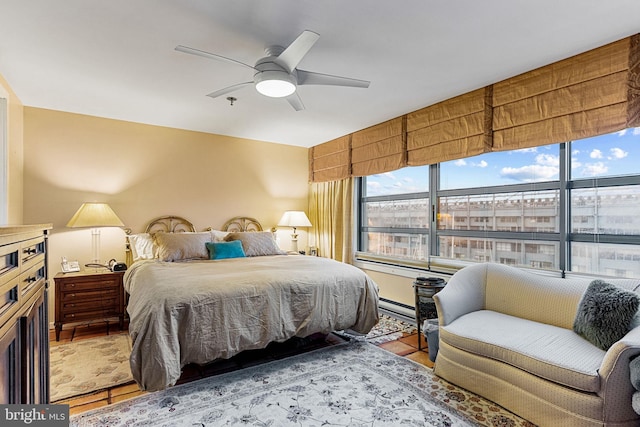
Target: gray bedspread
[199,311]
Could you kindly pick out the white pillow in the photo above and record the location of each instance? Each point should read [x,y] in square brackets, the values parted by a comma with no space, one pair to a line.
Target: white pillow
[218,236]
[142,246]
[182,246]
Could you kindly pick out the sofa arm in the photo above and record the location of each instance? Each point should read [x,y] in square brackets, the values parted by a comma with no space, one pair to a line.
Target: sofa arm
[614,373]
[464,293]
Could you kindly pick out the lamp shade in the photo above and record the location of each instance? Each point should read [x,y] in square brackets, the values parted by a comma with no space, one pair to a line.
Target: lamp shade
[294,219]
[95,215]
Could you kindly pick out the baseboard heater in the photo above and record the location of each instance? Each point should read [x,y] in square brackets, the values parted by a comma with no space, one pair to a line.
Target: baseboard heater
[398,310]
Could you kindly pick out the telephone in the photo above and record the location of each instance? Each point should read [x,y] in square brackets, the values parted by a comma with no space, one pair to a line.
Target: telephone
[69,266]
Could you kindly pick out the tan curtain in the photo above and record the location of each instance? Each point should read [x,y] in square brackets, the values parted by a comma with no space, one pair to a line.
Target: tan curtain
[380,148]
[331,214]
[590,94]
[593,93]
[330,161]
[452,129]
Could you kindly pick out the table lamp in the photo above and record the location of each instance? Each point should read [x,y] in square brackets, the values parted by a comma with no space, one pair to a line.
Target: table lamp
[294,219]
[95,215]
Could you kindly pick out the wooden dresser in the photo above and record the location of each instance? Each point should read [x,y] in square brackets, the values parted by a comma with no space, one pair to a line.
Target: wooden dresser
[24,320]
[87,296]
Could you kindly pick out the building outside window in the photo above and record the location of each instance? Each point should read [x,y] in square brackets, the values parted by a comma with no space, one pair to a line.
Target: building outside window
[394,214]
[520,207]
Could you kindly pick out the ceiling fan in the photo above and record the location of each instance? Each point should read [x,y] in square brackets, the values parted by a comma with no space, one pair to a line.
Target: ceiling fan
[276,75]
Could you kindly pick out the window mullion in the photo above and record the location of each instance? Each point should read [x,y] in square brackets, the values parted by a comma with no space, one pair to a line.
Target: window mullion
[434,180]
[564,207]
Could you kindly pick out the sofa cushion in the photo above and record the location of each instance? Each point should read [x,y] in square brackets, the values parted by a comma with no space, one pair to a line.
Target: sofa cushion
[550,352]
[605,313]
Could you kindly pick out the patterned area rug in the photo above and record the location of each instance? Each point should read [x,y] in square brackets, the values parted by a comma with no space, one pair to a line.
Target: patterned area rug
[84,366]
[350,384]
[387,329]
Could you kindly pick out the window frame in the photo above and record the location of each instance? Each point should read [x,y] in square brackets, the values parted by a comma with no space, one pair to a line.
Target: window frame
[564,185]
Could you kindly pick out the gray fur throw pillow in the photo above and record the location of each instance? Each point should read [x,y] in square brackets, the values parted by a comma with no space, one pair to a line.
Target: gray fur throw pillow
[605,313]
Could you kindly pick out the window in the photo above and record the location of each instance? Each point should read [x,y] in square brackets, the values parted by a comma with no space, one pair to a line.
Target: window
[520,195]
[519,207]
[394,214]
[605,192]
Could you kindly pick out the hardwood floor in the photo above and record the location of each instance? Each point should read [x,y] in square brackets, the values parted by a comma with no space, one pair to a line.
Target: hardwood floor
[406,346]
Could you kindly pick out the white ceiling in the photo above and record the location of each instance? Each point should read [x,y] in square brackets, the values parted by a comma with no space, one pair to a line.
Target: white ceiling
[116,58]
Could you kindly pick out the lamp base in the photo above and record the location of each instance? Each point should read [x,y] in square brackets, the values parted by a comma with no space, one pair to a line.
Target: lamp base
[294,243]
[95,247]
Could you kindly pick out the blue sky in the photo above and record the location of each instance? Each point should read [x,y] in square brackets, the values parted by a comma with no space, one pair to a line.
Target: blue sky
[607,155]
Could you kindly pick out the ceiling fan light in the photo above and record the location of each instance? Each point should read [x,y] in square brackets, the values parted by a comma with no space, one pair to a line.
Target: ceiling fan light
[274,84]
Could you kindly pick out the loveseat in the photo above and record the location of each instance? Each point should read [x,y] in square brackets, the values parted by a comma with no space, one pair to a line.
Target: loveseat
[508,334]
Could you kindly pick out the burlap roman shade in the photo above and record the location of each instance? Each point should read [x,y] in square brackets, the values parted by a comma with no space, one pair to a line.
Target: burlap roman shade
[452,129]
[594,93]
[380,148]
[590,94]
[330,161]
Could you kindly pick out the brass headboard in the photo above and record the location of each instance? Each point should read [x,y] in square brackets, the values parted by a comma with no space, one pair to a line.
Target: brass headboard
[170,224]
[165,224]
[242,223]
[176,224]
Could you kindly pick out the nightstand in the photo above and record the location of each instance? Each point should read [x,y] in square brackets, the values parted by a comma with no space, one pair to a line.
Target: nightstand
[88,296]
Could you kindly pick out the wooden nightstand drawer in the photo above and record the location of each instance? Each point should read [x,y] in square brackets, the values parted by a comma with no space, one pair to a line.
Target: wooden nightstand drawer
[108,304]
[89,315]
[79,286]
[92,295]
[87,296]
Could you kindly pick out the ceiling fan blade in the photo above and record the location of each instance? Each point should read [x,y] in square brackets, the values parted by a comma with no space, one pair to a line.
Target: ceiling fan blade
[228,89]
[311,78]
[295,101]
[294,53]
[208,55]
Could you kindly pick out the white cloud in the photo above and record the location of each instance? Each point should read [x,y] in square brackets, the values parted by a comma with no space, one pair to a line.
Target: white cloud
[408,179]
[373,184]
[575,164]
[593,169]
[547,160]
[526,150]
[621,132]
[389,175]
[618,153]
[460,162]
[530,173]
[596,154]
[575,152]
[480,164]
[635,132]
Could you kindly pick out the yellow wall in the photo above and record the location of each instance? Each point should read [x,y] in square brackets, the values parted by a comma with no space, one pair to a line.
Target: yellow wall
[14,153]
[145,171]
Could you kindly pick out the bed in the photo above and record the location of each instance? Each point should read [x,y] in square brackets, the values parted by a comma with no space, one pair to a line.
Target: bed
[186,308]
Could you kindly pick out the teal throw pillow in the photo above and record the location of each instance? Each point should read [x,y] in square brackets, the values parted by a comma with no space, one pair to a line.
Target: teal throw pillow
[224,250]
